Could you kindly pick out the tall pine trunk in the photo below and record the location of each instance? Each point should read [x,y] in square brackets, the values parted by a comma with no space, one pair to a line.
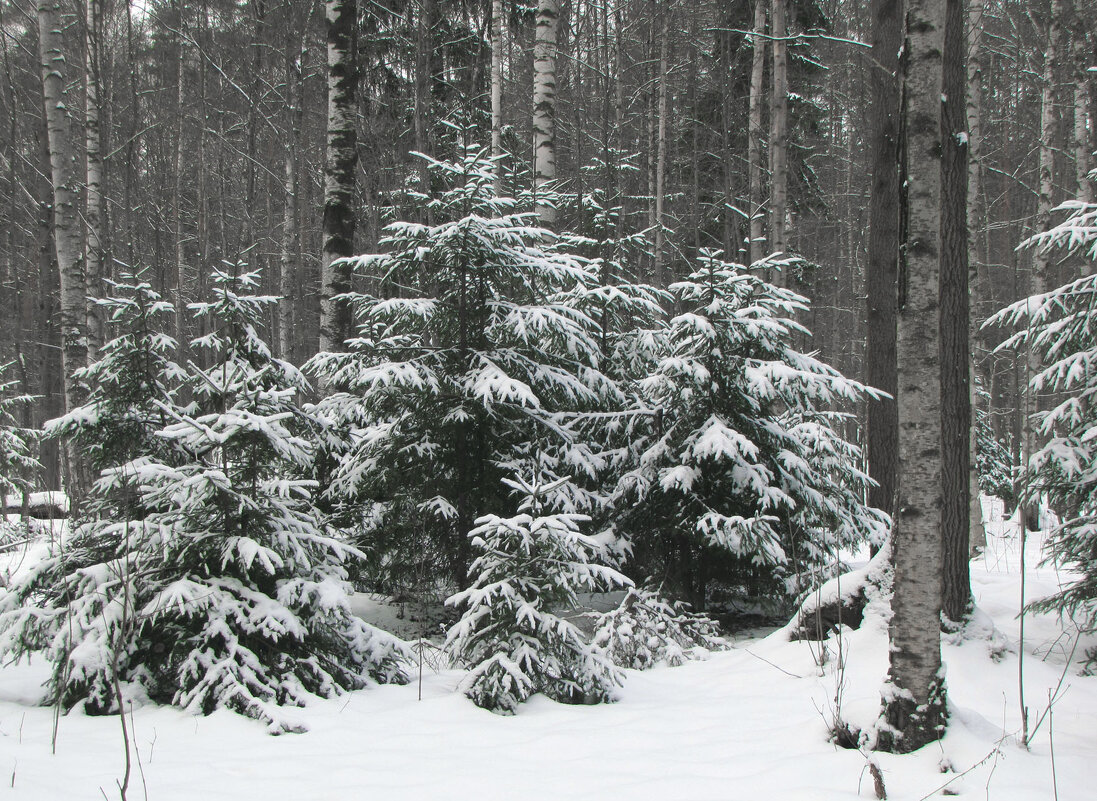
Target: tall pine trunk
[778,126]
[955,352]
[497,93]
[754,131]
[883,255]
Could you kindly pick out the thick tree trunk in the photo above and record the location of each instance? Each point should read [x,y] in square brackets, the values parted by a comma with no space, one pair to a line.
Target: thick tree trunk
[955,352]
[778,126]
[339,174]
[65,223]
[544,105]
[66,226]
[883,255]
[914,703]
[754,131]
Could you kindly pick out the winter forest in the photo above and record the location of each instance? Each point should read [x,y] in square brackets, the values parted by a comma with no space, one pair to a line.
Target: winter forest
[662,399]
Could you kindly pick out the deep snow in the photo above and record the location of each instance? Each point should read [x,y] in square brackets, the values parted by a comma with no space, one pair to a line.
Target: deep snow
[750,723]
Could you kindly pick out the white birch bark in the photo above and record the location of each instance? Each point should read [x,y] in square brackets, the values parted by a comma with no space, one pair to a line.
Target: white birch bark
[65,221]
[544,105]
[913,703]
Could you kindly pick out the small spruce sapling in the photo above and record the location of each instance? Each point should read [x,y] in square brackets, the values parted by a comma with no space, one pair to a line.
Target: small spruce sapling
[529,569]
[645,631]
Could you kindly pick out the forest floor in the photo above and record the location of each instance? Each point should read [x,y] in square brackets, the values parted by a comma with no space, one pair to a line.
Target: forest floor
[749,723]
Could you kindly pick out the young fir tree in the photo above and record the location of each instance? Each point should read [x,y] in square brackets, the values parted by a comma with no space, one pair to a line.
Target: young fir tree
[18,444]
[1059,326]
[226,589]
[529,570]
[477,353]
[993,462]
[645,630]
[743,478]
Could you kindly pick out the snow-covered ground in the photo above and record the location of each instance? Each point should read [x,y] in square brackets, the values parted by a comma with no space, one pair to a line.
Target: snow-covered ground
[750,723]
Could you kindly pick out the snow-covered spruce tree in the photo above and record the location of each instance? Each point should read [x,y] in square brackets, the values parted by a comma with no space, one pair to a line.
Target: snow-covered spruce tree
[132,395]
[993,461]
[229,591]
[18,444]
[1061,327]
[477,356]
[645,630]
[744,480]
[528,570]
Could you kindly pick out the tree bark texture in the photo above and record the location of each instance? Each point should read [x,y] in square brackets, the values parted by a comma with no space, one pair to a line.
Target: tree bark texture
[883,255]
[661,147]
[94,208]
[754,131]
[291,234]
[544,105]
[1041,258]
[955,352]
[497,92]
[67,243]
[975,233]
[778,121]
[914,710]
[339,174]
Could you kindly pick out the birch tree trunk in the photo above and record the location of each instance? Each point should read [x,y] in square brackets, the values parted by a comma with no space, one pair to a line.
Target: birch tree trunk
[65,221]
[544,105]
[883,255]
[94,211]
[778,121]
[65,225]
[914,709]
[754,131]
[339,174]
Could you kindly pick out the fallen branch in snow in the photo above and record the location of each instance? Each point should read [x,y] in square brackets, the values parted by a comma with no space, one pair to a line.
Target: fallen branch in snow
[771,664]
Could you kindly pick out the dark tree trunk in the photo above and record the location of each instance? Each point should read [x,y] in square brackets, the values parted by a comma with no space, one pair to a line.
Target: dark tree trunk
[883,255]
[339,173]
[955,351]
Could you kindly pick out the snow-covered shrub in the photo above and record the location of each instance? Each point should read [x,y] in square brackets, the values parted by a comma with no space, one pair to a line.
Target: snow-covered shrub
[227,589]
[646,630]
[1061,326]
[744,478]
[530,568]
[479,354]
